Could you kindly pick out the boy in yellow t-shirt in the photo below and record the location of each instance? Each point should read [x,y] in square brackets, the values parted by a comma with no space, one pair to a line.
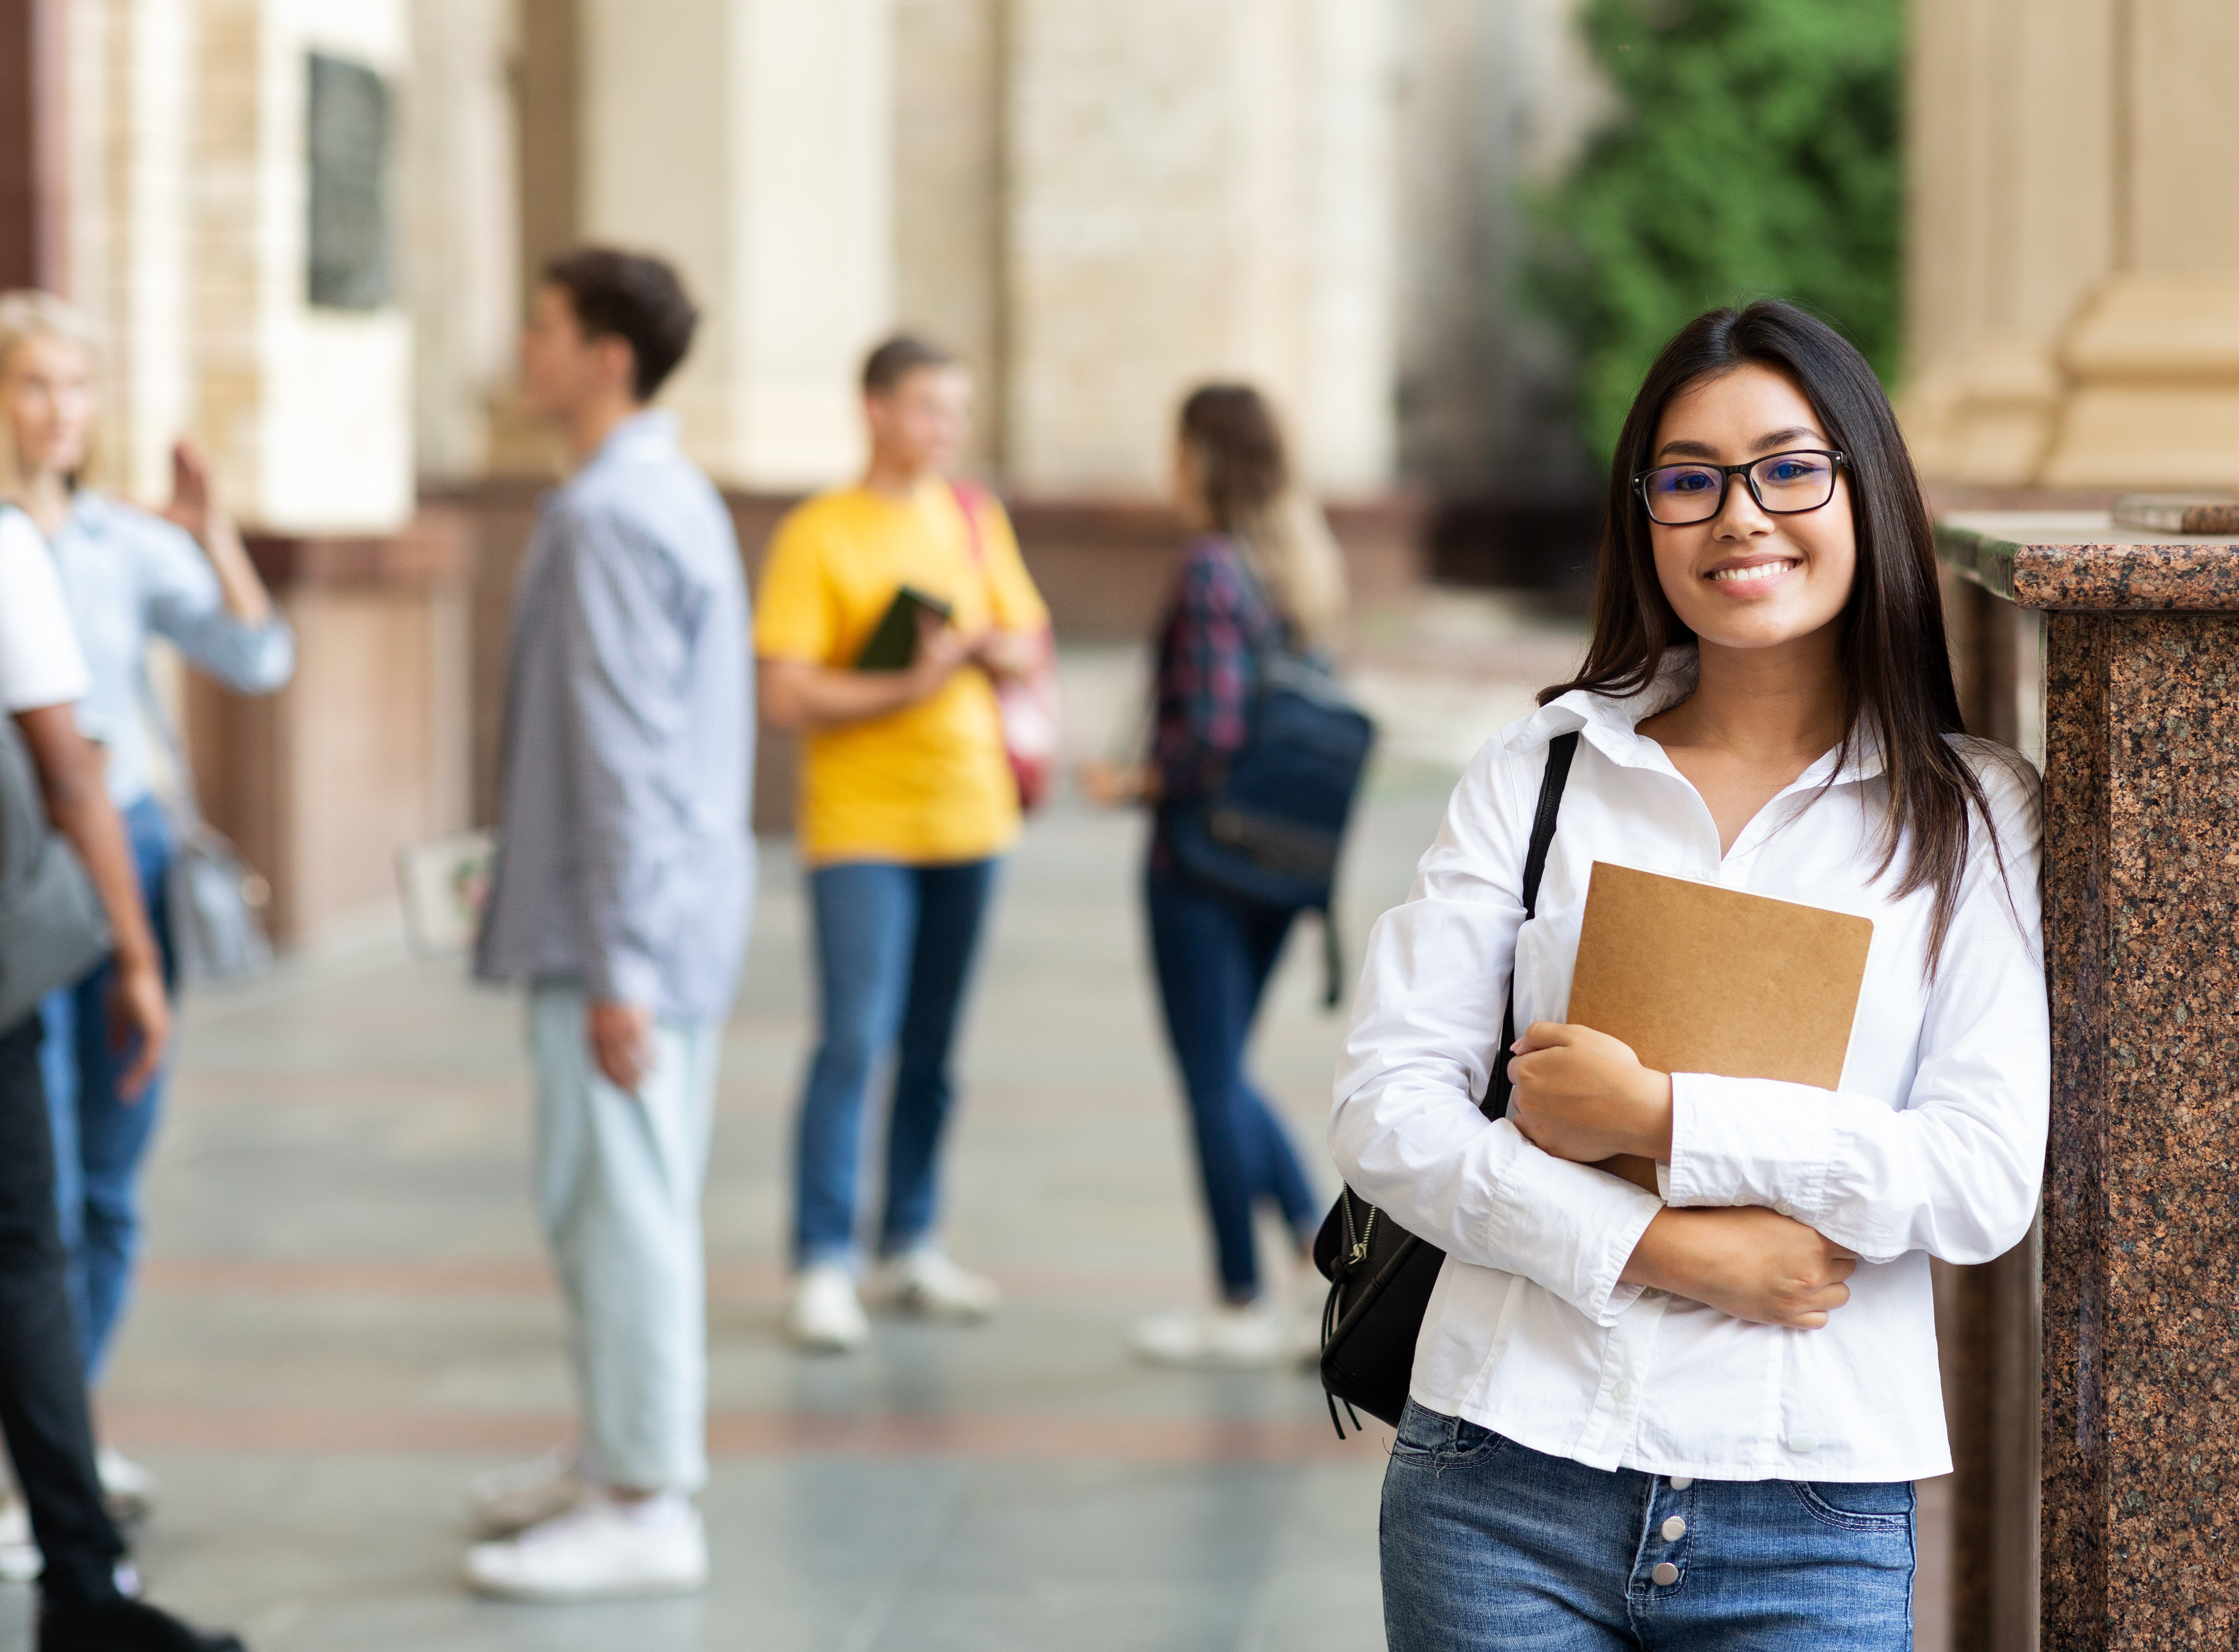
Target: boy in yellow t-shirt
[907,803]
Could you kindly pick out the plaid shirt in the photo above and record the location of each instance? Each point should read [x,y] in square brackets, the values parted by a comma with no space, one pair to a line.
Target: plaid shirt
[1216,630]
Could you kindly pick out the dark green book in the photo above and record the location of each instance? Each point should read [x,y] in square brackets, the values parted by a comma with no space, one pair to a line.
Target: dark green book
[892,642]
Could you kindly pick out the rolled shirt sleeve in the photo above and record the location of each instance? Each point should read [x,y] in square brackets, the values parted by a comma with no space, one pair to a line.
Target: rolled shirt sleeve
[1406,1130]
[185,605]
[1954,1170]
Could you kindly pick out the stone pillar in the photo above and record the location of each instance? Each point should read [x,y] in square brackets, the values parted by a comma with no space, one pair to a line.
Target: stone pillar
[949,188]
[1196,191]
[749,141]
[2073,313]
[464,241]
[2141,1234]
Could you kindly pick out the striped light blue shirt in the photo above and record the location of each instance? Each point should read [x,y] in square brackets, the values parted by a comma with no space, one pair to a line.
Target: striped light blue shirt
[626,853]
[128,575]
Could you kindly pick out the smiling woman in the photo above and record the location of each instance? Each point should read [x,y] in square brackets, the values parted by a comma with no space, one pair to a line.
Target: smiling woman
[1615,1376]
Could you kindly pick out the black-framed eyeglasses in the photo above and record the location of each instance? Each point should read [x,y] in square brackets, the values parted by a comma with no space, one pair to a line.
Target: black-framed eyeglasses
[1784,484]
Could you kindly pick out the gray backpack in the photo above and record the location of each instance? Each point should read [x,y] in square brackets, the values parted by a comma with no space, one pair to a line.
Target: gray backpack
[52,928]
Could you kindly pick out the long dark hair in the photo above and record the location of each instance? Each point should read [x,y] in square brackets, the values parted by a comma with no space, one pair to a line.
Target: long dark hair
[1253,496]
[1897,669]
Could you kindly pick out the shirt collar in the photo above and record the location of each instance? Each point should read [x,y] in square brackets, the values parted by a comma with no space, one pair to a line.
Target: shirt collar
[89,513]
[647,434]
[1611,723]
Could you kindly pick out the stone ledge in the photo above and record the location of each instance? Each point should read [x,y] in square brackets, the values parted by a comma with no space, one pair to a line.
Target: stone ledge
[2079,561]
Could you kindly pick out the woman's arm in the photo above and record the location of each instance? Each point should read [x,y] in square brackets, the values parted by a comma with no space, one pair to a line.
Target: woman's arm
[1954,1172]
[77,802]
[196,507]
[200,589]
[1406,1131]
[1753,1263]
[1205,673]
[797,694]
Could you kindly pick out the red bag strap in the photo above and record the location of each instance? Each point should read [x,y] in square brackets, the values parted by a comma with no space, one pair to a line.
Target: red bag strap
[968,501]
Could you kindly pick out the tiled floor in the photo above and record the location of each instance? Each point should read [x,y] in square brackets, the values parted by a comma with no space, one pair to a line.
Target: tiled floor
[346,1311]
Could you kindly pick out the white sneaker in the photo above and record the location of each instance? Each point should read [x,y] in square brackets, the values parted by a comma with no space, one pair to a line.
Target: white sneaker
[127,1487]
[512,1499]
[1236,1337]
[20,1560]
[600,1550]
[827,1317]
[925,1282]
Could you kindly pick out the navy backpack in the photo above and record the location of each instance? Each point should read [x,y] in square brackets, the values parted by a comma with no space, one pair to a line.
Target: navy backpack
[1270,830]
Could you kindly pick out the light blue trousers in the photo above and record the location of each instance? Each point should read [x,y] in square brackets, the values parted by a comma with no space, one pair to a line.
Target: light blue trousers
[618,1184]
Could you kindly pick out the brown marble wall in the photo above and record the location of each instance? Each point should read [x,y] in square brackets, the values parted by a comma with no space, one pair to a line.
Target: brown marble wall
[367,749]
[2141,1303]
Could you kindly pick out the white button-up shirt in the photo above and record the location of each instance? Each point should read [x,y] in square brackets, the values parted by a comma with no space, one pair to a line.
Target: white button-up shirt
[1932,1147]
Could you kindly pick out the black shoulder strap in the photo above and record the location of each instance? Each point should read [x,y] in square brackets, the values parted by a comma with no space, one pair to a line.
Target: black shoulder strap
[1560,751]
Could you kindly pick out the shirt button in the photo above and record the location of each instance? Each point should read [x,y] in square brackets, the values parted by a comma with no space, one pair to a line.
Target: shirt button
[1674,1529]
[1620,1391]
[1666,1574]
[1802,1444]
[1681,1482]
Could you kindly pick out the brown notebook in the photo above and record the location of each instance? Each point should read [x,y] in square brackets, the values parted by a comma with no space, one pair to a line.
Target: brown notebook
[1699,979]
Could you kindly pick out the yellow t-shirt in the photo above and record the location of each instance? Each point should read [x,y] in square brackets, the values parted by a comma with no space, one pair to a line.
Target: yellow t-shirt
[930,783]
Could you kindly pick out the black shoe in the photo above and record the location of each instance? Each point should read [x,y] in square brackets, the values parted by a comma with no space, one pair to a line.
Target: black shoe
[120,1625]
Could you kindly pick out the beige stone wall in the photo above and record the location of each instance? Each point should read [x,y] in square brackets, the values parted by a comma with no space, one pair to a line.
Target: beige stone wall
[949,191]
[1196,191]
[751,142]
[308,411]
[2074,272]
[462,227]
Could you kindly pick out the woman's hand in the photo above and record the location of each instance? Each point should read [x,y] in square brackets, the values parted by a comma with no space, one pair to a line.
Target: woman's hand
[1118,785]
[1003,654]
[1754,1264]
[1583,1096]
[942,650]
[139,1021]
[194,491]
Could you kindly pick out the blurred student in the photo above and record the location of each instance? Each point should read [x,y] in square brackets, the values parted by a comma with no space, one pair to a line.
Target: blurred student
[86,1582]
[620,896]
[1261,577]
[127,574]
[907,803]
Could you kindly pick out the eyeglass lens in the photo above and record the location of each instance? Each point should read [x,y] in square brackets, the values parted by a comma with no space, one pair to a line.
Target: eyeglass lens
[1782,482]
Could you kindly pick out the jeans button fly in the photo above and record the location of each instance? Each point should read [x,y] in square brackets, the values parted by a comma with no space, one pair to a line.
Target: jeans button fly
[1674,1529]
[1666,1574]
[1681,1482]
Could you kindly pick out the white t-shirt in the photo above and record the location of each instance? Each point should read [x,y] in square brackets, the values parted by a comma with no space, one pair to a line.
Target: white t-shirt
[40,662]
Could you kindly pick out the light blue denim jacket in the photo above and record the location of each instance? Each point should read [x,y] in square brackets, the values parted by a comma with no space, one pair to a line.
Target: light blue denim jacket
[128,575]
[626,851]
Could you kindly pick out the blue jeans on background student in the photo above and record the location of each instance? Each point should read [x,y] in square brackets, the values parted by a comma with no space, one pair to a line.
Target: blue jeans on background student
[895,947]
[101,1138]
[1213,955]
[1488,1544]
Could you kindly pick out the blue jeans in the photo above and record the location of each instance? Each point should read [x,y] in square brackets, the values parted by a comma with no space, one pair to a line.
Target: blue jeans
[1214,956]
[895,946]
[1489,1544]
[101,1140]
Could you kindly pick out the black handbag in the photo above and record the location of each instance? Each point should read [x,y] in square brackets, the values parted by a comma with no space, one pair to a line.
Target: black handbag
[1381,1275]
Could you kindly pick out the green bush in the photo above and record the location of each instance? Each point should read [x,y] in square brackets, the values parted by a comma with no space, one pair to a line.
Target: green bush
[1755,156]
